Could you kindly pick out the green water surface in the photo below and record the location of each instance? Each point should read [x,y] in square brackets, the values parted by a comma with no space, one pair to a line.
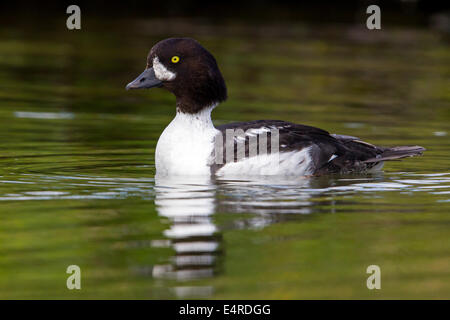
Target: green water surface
[77,183]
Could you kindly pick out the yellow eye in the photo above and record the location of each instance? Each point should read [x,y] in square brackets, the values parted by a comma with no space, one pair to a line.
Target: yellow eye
[175,59]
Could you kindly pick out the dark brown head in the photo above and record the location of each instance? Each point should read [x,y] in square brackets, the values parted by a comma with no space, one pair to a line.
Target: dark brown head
[185,68]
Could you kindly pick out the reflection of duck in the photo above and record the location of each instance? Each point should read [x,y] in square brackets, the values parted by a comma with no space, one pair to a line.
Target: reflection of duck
[188,204]
[189,144]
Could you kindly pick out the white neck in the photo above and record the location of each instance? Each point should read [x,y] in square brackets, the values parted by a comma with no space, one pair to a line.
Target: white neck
[197,121]
[185,147]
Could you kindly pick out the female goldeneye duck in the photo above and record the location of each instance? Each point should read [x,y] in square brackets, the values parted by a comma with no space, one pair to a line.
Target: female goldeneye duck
[188,146]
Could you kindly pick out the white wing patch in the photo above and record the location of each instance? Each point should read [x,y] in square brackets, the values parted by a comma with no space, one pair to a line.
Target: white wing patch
[161,72]
[257,131]
[332,157]
[254,132]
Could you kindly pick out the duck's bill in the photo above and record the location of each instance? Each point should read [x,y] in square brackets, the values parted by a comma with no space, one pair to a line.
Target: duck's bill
[146,80]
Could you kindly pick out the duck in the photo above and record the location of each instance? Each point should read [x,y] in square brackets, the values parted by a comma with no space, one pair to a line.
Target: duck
[192,145]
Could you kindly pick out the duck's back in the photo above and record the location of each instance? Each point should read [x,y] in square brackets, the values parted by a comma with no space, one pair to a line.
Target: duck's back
[302,150]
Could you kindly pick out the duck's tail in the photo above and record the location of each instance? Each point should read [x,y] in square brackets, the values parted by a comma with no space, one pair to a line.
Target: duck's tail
[397,153]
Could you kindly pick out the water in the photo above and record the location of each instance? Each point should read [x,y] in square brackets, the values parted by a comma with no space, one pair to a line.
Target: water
[77,168]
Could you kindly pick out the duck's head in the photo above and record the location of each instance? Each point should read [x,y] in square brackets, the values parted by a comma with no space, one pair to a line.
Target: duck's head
[188,70]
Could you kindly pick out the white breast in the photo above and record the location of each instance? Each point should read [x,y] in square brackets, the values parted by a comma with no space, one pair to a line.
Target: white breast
[186,145]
